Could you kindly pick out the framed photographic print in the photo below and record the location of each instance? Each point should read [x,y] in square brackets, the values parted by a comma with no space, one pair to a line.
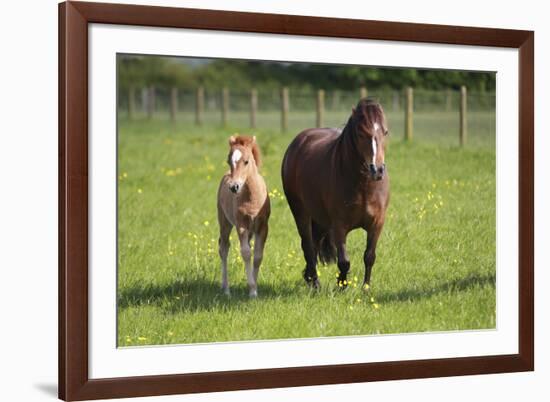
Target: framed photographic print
[259,200]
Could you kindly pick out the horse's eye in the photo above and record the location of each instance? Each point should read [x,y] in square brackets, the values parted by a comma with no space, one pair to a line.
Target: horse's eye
[386,132]
[246,162]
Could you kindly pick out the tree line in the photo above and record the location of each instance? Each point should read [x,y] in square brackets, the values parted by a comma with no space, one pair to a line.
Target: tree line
[241,75]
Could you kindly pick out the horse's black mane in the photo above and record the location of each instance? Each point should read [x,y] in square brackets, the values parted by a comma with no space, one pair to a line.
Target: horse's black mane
[366,113]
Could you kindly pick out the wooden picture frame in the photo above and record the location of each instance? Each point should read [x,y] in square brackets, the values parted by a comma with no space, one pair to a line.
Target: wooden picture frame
[74,381]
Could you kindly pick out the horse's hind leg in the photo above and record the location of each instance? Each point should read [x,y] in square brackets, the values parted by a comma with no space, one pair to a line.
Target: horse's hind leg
[310,253]
[223,247]
[369,257]
[303,224]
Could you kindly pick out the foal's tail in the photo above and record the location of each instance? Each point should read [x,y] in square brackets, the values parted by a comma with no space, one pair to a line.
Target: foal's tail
[326,250]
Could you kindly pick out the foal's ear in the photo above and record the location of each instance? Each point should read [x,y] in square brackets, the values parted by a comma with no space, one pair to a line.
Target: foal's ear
[352,110]
[232,140]
[254,139]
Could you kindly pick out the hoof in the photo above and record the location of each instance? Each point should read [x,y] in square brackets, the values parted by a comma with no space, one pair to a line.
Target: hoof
[342,282]
[253,294]
[342,285]
[313,283]
[226,292]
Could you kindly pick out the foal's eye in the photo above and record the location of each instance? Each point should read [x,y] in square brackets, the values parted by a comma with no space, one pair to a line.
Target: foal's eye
[386,132]
[246,162]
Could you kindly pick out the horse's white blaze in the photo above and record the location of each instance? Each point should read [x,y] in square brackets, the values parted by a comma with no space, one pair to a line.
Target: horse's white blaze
[235,157]
[374,146]
[376,126]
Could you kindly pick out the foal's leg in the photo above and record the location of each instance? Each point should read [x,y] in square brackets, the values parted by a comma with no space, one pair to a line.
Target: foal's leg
[223,248]
[343,259]
[369,257]
[246,254]
[259,242]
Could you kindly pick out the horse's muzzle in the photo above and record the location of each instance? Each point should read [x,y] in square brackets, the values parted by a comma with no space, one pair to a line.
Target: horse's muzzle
[235,187]
[377,172]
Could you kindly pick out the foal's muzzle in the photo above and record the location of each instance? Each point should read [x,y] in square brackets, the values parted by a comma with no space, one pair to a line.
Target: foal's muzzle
[377,172]
[235,187]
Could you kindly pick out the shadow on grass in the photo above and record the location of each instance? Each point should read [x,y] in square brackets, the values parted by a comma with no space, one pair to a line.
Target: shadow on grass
[454,286]
[196,295]
[202,294]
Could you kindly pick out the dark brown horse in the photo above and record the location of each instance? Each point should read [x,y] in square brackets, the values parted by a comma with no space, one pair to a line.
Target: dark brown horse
[336,181]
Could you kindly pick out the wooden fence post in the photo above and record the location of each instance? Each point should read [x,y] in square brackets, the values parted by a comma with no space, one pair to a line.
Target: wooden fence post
[151,102]
[363,92]
[225,106]
[199,105]
[131,102]
[173,104]
[320,108]
[253,107]
[409,114]
[284,109]
[463,115]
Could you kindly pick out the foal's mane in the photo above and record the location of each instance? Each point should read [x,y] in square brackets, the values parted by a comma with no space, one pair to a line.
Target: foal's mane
[249,142]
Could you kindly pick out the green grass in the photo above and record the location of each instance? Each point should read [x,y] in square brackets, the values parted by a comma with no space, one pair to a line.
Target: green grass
[435,268]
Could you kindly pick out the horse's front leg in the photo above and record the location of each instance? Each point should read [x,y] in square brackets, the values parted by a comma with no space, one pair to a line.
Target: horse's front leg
[342,258]
[369,257]
[246,254]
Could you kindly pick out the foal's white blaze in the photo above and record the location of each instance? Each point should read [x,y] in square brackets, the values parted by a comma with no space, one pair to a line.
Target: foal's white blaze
[376,126]
[374,147]
[235,157]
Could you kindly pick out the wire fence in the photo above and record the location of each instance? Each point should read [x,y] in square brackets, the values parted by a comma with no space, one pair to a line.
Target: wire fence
[444,117]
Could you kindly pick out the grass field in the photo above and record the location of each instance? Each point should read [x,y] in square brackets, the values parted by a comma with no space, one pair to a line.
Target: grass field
[435,268]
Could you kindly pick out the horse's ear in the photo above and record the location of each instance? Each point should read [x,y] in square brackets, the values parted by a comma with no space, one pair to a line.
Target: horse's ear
[254,139]
[232,140]
[352,110]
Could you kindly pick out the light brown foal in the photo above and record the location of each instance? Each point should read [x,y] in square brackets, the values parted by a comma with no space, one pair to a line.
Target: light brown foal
[243,202]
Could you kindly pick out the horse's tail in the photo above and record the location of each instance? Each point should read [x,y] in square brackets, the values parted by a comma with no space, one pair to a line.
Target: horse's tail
[326,250]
